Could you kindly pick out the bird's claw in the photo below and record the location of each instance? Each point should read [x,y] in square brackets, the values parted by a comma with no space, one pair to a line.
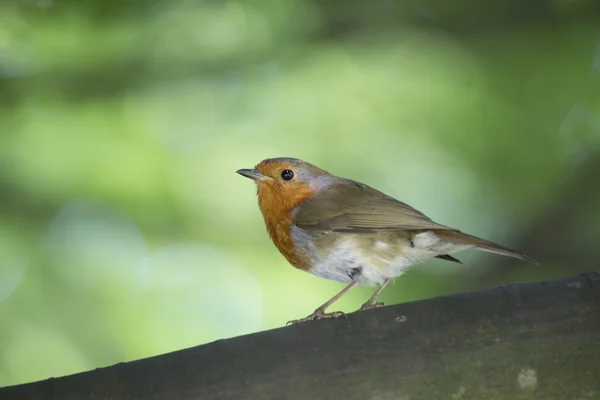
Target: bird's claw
[318,314]
[369,305]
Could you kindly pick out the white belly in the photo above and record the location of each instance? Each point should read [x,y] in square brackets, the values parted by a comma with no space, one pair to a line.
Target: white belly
[347,261]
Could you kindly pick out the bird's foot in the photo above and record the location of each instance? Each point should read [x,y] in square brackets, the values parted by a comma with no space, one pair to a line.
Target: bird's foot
[318,314]
[370,305]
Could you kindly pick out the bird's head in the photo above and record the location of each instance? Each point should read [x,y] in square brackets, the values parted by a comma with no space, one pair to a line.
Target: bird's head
[285,181]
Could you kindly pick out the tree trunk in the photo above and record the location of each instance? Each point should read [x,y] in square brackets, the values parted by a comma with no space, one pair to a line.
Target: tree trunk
[523,341]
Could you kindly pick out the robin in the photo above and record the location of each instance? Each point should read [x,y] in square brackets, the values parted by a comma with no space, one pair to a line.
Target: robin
[348,232]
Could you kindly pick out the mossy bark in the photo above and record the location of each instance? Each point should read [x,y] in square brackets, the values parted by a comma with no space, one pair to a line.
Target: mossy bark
[525,341]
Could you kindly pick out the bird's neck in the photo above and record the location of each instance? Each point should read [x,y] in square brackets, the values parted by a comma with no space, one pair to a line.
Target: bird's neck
[276,207]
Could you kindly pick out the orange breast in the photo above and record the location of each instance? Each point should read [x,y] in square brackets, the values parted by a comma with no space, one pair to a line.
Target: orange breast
[276,204]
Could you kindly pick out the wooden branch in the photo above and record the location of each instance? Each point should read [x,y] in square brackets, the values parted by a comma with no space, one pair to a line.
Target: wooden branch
[523,341]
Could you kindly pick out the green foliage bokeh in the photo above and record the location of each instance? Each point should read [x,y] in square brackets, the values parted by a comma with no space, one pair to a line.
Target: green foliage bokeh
[124,230]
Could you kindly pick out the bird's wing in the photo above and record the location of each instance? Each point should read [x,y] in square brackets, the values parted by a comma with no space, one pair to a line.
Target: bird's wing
[347,206]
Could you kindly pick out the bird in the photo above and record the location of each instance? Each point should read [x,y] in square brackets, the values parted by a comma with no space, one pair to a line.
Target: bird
[346,231]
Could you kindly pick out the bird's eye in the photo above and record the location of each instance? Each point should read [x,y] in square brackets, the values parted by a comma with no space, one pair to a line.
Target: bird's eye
[287,174]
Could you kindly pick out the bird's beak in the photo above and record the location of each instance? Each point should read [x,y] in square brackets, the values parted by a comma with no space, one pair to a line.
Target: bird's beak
[253,174]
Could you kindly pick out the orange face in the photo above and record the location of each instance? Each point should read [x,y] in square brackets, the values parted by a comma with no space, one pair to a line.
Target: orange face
[282,185]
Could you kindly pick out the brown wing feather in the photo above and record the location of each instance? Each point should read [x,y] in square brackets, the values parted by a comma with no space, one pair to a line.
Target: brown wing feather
[363,209]
[482,244]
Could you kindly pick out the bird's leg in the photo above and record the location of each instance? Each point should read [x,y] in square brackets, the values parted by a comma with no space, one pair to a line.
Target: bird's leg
[320,312]
[371,302]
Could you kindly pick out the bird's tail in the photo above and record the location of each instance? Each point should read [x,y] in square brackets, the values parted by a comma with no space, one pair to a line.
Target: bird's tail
[482,244]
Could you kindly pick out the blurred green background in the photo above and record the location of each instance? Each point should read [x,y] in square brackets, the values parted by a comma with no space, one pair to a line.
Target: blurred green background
[124,230]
